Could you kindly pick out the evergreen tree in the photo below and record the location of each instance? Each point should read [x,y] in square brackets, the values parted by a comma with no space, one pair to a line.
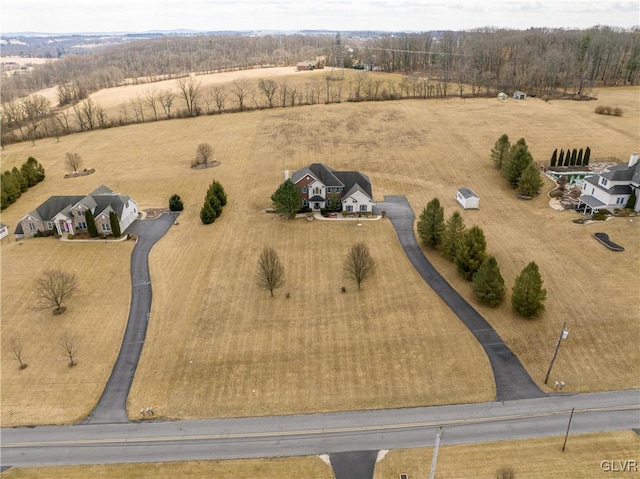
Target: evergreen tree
[554,157]
[287,199]
[431,224]
[175,203]
[567,157]
[10,190]
[215,204]
[471,252]
[29,173]
[561,159]
[530,181]
[488,283]
[19,179]
[574,157]
[519,159]
[452,235]
[587,155]
[207,215]
[500,151]
[580,156]
[37,167]
[631,202]
[115,225]
[91,224]
[528,294]
[217,190]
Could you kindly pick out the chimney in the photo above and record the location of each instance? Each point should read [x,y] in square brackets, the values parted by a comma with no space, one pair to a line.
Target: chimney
[287,175]
[634,158]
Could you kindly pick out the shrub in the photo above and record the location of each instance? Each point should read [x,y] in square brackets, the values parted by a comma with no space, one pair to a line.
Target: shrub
[608,110]
[38,234]
[70,236]
[175,203]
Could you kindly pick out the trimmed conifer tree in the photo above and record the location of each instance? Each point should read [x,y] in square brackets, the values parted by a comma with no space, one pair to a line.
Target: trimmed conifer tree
[431,224]
[207,215]
[631,202]
[530,181]
[561,158]
[452,236]
[587,155]
[500,151]
[488,284]
[574,157]
[580,156]
[528,294]
[91,224]
[554,157]
[471,252]
[115,224]
[567,157]
[175,203]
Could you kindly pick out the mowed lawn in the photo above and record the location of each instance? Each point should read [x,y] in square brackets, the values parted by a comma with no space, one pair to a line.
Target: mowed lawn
[529,458]
[219,346]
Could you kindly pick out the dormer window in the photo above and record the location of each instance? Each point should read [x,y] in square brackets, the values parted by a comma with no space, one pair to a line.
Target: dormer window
[603,181]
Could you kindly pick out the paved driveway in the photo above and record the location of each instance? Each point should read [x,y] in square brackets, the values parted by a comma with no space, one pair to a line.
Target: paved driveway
[512,380]
[112,406]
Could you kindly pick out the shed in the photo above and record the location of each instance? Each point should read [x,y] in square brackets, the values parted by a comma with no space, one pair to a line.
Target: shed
[519,95]
[4,231]
[502,96]
[468,199]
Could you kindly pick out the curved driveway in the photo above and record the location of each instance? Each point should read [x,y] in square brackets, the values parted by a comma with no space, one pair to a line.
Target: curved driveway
[112,406]
[512,380]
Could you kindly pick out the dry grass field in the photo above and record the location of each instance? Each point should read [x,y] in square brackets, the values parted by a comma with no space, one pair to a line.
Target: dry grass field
[530,458]
[275,468]
[219,346]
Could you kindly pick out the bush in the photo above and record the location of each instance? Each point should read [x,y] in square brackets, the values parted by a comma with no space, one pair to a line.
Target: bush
[175,203]
[70,236]
[600,215]
[305,209]
[608,110]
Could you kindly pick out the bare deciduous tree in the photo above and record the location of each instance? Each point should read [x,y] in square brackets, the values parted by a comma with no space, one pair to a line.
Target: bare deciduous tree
[241,89]
[166,100]
[73,161]
[16,349]
[151,98]
[359,265]
[270,273]
[190,90]
[69,347]
[54,287]
[218,94]
[204,154]
[269,88]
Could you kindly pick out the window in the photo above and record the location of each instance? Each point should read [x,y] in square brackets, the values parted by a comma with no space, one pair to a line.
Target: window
[105,227]
[49,225]
[32,227]
[305,203]
[620,201]
[305,190]
[329,189]
[349,208]
[80,212]
[317,190]
[603,181]
[592,190]
[82,225]
[363,207]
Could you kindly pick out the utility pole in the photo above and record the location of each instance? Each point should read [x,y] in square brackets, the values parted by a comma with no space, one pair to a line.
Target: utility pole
[564,334]
[435,453]
[568,426]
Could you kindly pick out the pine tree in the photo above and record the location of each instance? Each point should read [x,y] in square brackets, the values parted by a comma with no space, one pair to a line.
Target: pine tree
[488,283]
[287,199]
[567,157]
[175,203]
[471,252]
[500,151]
[631,202]
[554,157]
[20,180]
[519,159]
[452,235]
[207,215]
[29,173]
[91,224]
[10,190]
[215,204]
[431,224]
[580,156]
[217,190]
[561,159]
[574,157]
[528,294]
[530,181]
[587,155]
[37,167]
[115,225]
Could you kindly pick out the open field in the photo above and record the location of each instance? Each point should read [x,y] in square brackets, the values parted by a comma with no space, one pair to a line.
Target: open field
[218,346]
[276,468]
[530,458]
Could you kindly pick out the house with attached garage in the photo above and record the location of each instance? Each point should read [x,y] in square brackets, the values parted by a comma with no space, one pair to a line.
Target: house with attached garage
[612,188]
[318,184]
[67,214]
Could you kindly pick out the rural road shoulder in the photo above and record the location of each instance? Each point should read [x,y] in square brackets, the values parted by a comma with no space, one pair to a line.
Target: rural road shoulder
[512,380]
[112,406]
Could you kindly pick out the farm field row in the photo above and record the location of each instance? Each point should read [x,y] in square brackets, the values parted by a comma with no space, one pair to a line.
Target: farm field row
[219,346]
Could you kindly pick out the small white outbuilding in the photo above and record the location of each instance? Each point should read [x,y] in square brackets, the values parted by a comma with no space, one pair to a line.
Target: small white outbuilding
[502,96]
[468,199]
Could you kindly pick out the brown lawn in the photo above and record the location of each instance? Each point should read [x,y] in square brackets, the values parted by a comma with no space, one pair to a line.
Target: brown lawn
[275,468]
[219,346]
[530,458]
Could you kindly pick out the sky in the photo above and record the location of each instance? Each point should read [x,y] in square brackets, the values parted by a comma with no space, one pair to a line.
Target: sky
[68,16]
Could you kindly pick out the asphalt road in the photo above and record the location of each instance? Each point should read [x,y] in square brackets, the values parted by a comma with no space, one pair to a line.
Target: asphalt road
[112,406]
[511,379]
[157,441]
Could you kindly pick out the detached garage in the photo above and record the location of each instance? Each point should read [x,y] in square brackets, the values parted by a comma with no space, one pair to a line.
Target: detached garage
[468,199]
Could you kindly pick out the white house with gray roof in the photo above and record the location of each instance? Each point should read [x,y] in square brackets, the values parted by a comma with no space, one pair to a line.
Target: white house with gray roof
[319,183]
[612,188]
[67,214]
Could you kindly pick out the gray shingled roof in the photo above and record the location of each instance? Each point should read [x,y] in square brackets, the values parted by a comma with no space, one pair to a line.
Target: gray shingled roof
[467,193]
[614,190]
[351,178]
[54,205]
[621,172]
[330,177]
[592,201]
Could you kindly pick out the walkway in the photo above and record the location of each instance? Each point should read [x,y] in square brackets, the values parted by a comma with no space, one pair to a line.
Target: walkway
[112,406]
[512,380]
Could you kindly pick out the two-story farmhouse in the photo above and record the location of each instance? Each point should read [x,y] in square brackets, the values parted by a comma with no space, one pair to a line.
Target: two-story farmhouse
[67,214]
[319,183]
[612,188]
